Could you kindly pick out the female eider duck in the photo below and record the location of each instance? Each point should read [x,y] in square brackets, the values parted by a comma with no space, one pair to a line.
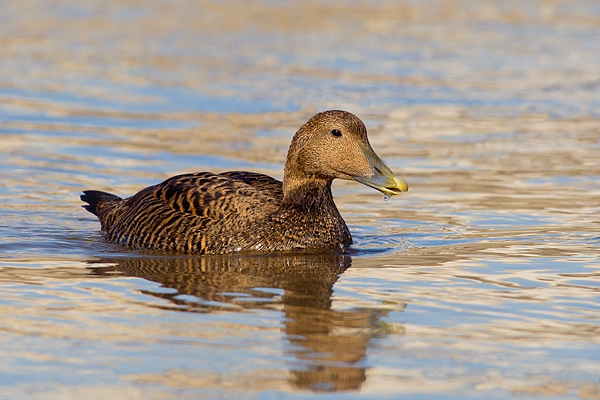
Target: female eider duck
[206,213]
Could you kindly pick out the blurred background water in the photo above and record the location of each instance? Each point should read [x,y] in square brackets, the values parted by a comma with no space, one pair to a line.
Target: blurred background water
[482,281]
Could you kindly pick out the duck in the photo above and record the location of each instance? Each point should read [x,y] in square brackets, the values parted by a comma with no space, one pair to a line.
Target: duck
[239,211]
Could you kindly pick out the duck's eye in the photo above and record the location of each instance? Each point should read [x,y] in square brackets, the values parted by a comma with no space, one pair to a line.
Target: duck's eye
[336,132]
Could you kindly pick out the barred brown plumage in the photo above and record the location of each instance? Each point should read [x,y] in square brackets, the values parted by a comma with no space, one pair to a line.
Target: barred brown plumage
[209,213]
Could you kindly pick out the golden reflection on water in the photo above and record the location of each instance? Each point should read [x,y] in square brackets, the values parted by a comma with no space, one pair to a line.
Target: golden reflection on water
[327,346]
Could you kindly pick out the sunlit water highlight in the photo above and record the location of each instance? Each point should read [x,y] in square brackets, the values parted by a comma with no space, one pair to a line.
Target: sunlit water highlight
[483,281]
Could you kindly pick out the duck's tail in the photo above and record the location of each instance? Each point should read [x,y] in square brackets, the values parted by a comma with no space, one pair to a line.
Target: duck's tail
[97,200]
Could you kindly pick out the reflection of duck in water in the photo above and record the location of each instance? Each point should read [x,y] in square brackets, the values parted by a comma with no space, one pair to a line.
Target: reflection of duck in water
[243,211]
[222,278]
[327,347]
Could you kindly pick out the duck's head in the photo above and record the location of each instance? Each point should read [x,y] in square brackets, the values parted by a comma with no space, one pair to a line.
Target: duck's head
[334,144]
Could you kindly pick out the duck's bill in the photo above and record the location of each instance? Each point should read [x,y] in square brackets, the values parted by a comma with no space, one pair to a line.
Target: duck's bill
[383,178]
[386,184]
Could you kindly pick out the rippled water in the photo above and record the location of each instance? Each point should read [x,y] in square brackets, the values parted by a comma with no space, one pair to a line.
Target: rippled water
[483,281]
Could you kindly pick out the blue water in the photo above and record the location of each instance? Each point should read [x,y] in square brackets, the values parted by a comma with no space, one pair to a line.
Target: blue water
[482,281]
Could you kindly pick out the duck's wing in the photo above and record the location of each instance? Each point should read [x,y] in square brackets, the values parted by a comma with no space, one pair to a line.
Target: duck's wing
[208,195]
[189,212]
[264,183]
[200,194]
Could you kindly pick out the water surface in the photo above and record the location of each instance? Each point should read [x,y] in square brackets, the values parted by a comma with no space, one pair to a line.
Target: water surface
[483,281]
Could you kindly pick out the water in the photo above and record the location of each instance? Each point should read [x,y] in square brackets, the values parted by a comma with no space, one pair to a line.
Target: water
[483,281]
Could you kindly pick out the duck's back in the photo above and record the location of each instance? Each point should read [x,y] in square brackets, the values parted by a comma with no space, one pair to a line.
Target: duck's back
[193,213]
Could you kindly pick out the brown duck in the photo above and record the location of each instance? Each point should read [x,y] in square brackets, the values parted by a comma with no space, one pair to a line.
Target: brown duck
[206,213]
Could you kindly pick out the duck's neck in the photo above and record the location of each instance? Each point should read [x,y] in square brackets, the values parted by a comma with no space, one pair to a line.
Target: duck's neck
[309,204]
[308,195]
[303,190]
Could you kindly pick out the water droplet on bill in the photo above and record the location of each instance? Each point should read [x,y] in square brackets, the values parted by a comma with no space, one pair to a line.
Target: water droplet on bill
[386,197]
